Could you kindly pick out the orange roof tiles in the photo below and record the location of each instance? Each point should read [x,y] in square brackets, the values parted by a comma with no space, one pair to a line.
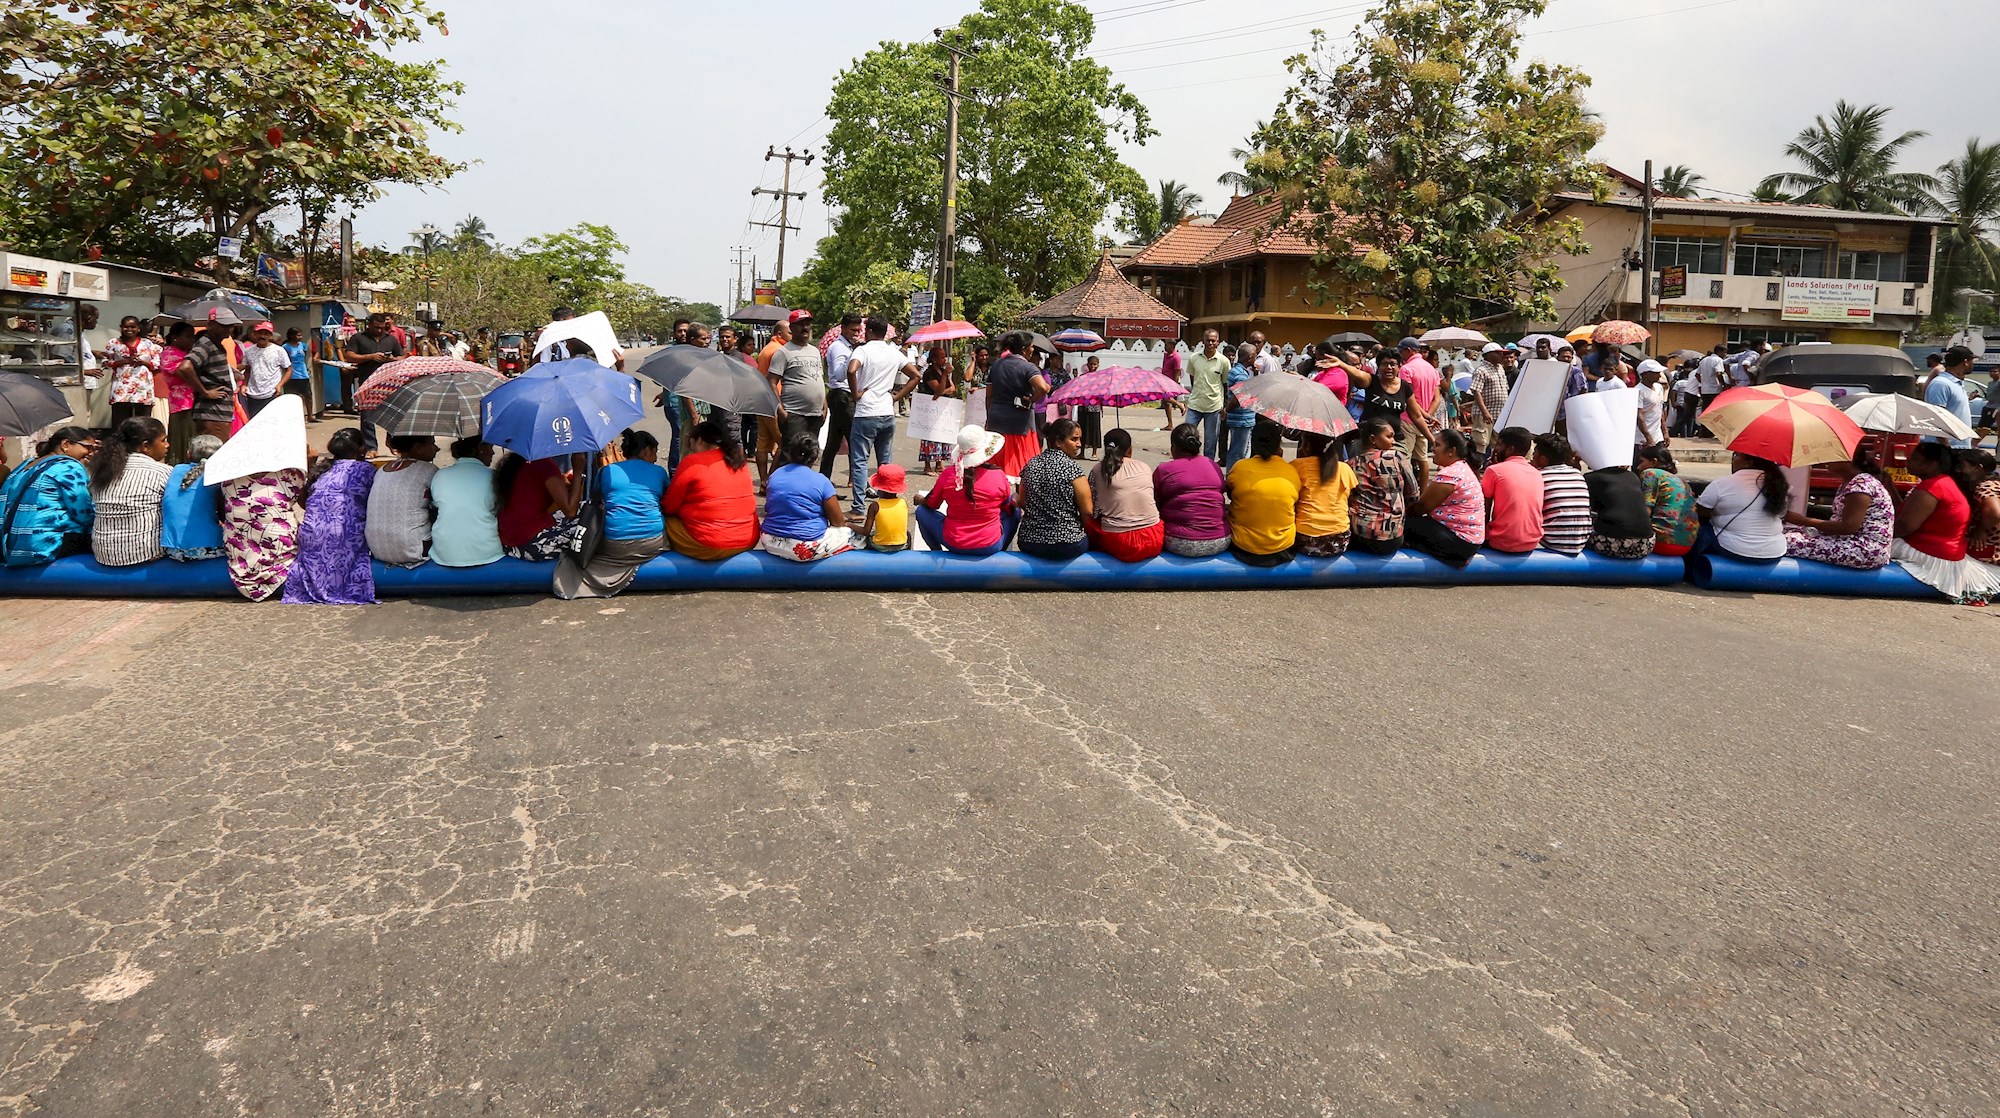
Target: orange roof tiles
[1105,293]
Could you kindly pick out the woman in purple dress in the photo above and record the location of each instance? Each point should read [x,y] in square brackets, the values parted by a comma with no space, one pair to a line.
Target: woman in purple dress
[332,567]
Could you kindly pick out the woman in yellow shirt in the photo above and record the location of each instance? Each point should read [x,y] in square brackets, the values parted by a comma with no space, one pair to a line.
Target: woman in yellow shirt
[1263,499]
[1324,485]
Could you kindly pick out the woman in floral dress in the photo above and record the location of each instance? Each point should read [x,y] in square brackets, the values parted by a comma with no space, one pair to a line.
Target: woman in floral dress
[260,530]
[1857,534]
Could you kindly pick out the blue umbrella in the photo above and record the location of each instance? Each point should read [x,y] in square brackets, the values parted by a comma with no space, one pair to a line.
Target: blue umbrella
[560,407]
[1076,338]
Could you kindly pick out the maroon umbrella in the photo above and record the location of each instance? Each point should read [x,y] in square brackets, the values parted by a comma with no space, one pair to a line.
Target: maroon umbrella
[396,374]
[1117,387]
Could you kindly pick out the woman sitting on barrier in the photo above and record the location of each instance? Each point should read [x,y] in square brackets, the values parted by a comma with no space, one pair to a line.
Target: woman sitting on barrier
[1740,513]
[191,512]
[1263,500]
[1449,520]
[467,530]
[1983,543]
[128,478]
[803,518]
[538,503]
[978,517]
[45,507]
[1864,516]
[711,504]
[332,567]
[629,493]
[1125,521]
[1384,490]
[1931,529]
[1190,494]
[1669,501]
[1621,523]
[260,528]
[1055,496]
[1325,484]
[399,502]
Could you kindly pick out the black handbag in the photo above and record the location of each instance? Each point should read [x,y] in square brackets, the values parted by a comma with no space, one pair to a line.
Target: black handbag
[590,525]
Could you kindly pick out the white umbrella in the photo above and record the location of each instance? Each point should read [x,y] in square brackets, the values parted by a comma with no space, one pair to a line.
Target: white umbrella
[273,440]
[1902,415]
[593,330]
[1453,336]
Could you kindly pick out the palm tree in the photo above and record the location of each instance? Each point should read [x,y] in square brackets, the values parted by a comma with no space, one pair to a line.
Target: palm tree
[1768,191]
[470,233]
[1679,181]
[1849,162]
[1174,204]
[1248,180]
[1968,192]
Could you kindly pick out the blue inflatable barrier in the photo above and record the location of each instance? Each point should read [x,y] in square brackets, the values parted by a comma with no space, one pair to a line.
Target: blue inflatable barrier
[82,577]
[1804,576]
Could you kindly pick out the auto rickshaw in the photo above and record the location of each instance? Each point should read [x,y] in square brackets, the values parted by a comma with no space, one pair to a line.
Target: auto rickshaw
[508,353]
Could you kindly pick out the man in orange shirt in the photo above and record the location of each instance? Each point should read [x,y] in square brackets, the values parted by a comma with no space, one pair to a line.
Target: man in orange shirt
[768,437]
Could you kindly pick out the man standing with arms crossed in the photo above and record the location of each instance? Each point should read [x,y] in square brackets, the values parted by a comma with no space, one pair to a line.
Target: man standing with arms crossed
[839,398]
[368,351]
[871,378]
[798,376]
[1207,369]
[1425,381]
[1489,395]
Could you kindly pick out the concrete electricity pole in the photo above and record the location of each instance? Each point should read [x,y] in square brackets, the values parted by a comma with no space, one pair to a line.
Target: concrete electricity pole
[742,257]
[948,233]
[1646,261]
[785,194]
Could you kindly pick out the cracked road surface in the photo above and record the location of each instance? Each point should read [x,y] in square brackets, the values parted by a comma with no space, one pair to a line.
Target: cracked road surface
[1483,852]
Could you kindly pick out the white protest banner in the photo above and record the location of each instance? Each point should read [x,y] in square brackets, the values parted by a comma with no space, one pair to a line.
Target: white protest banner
[273,440]
[1603,426]
[1536,394]
[975,409]
[936,418]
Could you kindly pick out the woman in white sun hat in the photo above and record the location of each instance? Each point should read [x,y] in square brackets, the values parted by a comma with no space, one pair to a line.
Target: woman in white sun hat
[978,515]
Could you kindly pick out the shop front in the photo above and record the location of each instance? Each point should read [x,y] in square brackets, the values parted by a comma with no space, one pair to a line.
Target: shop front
[43,317]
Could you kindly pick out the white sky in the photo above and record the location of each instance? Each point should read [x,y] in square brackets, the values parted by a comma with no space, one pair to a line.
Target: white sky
[654,117]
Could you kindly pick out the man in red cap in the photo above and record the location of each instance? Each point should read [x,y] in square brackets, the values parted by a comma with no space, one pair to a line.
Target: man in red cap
[266,367]
[798,375]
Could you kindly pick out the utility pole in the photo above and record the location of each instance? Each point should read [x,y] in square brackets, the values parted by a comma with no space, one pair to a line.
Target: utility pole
[947,280]
[1646,254]
[741,252]
[785,194]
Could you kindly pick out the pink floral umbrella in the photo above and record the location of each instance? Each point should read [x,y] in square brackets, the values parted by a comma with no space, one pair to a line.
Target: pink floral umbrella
[387,379]
[1117,386]
[1296,402]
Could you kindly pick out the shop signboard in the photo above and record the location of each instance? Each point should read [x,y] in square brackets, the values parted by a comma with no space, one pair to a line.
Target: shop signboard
[1674,281]
[923,309]
[765,293]
[1828,300]
[1161,329]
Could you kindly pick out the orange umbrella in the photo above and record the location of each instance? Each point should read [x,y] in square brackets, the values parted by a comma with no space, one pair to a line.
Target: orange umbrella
[1789,426]
[1580,334]
[1619,332]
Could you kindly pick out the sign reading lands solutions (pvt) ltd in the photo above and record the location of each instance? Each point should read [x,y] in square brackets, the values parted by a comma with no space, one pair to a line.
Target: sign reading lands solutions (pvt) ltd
[1829,300]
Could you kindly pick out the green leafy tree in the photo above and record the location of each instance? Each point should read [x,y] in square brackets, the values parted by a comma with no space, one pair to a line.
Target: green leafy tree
[1768,191]
[581,263]
[1419,165]
[1968,192]
[1848,161]
[1145,219]
[1038,161]
[1250,158]
[130,126]
[1679,181]
[471,233]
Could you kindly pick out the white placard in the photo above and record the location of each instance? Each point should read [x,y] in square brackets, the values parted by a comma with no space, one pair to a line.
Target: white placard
[975,408]
[936,418]
[273,440]
[1536,394]
[593,330]
[1602,426]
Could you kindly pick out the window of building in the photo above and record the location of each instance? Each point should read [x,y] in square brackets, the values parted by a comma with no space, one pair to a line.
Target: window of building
[1235,284]
[1806,262]
[1700,254]
[1751,335]
[1887,267]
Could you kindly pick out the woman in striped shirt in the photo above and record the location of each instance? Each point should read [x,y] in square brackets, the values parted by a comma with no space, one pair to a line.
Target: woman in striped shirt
[1566,519]
[128,477]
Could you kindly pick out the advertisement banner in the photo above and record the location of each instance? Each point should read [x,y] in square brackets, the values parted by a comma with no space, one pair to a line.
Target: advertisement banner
[1162,329]
[1674,281]
[923,310]
[288,274]
[1829,300]
[1688,314]
[765,293]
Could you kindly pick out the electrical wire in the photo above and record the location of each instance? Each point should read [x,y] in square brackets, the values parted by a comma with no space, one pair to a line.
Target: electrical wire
[1627,19]
[1280,24]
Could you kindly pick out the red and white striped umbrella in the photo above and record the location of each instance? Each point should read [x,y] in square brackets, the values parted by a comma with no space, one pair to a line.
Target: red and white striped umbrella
[396,374]
[1789,426]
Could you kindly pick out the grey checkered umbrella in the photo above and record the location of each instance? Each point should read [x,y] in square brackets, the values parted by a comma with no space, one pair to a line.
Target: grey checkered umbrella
[444,405]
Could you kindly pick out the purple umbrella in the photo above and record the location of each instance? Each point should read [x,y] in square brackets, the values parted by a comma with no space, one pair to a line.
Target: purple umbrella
[1117,386]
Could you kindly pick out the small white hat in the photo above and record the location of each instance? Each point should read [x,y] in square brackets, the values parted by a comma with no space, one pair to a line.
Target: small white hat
[1651,366]
[976,446]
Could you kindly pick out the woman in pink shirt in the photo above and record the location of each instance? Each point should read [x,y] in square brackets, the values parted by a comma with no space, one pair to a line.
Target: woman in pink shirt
[978,515]
[1449,521]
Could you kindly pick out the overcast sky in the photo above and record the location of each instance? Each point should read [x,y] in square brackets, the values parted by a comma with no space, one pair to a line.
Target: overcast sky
[654,118]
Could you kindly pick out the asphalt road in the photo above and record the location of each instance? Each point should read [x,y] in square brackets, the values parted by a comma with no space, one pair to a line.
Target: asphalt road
[1481,852]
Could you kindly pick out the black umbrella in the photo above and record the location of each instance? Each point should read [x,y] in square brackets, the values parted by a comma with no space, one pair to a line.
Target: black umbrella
[28,403]
[198,311]
[760,314]
[1043,343]
[713,378]
[1353,338]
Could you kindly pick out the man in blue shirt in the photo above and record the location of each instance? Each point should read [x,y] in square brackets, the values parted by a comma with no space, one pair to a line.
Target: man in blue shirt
[1947,390]
[839,396]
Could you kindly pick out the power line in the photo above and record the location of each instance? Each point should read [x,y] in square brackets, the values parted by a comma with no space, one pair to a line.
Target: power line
[1280,24]
[1627,19]
[1164,5]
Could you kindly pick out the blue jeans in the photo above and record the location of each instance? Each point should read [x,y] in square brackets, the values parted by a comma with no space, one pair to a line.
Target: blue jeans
[1239,447]
[870,435]
[1210,423]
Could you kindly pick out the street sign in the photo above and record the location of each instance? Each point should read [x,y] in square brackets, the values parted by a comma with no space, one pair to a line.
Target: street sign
[229,248]
[1674,281]
[923,307]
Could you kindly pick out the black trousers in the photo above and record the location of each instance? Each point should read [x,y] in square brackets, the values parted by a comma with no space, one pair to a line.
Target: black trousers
[1425,534]
[840,417]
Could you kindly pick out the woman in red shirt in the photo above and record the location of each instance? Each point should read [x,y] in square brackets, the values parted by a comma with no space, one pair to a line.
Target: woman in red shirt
[979,516]
[711,503]
[538,503]
[1931,528]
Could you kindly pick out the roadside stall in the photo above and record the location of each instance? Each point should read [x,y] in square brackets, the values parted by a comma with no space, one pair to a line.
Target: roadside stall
[41,305]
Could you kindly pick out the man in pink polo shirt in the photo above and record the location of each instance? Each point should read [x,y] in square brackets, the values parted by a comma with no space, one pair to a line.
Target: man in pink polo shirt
[1424,380]
[1513,493]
